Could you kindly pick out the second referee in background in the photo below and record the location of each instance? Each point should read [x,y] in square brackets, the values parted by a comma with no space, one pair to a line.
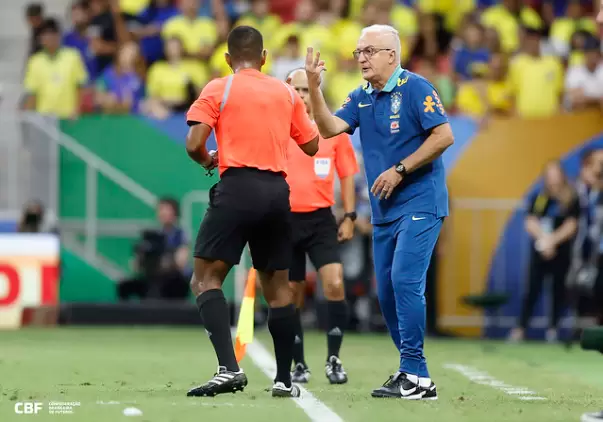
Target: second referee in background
[316,233]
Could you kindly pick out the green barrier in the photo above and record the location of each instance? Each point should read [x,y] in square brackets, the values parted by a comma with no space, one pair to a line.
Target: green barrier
[145,155]
[80,282]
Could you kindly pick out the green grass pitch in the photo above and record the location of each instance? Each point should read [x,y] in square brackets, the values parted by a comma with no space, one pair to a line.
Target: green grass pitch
[109,369]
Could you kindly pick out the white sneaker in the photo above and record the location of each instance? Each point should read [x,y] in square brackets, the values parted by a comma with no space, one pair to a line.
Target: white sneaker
[279,390]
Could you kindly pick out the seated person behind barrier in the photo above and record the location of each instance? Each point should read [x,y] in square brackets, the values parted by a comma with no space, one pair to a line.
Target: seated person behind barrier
[160,260]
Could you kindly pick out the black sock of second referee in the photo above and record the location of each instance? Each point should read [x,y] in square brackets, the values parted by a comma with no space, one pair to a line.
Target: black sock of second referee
[298,344]
[216,319]
[337,312]
[281,324]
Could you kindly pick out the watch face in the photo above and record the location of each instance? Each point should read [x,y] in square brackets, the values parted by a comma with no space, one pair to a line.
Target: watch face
[400,168]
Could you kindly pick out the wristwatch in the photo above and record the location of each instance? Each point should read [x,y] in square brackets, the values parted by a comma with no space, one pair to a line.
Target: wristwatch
[351,215]
[400,169]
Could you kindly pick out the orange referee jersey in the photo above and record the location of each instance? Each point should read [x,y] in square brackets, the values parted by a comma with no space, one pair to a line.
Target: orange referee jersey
[254,116]
[312,179]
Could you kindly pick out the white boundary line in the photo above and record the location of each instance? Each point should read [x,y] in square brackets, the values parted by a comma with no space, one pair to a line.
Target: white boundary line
[483,378]
[316,410]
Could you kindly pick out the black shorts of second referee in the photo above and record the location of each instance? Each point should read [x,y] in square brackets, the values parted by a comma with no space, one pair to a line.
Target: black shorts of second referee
[250,206]
[315,234]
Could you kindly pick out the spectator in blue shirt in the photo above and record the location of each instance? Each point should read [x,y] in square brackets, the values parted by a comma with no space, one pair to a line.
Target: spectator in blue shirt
[78,38]
[119,89]
[471,51]
[149,26]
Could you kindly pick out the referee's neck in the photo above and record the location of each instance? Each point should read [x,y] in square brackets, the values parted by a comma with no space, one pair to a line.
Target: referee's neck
[247,65]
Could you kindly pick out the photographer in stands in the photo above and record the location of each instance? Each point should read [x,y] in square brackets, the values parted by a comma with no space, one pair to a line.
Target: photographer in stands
[160,259]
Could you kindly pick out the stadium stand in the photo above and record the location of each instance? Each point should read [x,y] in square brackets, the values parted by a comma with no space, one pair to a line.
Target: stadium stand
[454,42]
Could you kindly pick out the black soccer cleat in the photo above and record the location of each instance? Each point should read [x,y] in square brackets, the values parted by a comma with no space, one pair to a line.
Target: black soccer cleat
[224,381]
[335,372]
[400,387]
[280,390]
[300,374]
[430,393]
[592,417]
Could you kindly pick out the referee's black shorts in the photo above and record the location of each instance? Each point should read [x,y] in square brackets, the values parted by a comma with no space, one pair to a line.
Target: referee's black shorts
[250,206]
[315,234]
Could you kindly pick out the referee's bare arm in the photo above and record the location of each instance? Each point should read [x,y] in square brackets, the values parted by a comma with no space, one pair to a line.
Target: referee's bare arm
[328,124]
[202,118]
[195,143]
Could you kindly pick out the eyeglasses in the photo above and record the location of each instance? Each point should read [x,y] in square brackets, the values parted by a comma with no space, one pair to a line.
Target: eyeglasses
[369,52]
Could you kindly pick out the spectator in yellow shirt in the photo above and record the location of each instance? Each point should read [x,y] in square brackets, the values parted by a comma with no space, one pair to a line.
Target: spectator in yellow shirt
[488,93]
[536,80]
[54,76]
[507,18]
[173,83]
[198,34]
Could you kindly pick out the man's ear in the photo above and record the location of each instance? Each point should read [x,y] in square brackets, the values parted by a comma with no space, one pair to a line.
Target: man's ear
[264,56]
[288,80]
[228,60]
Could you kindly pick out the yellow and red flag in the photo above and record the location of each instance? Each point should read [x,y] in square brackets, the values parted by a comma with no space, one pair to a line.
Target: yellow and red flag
[245,324]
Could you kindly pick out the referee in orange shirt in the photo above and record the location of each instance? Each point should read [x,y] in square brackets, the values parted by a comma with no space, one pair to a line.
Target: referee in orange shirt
[316,233]
[255,116]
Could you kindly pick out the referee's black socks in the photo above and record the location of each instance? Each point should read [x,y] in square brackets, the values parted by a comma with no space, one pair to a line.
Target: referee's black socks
[281,323]
[338,315]
[298,344]
[216,319]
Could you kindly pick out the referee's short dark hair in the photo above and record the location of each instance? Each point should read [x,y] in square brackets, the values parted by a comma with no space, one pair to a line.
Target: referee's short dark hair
[245,43]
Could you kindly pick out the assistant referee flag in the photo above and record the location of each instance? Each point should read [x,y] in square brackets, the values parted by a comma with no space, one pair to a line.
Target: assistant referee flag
[245,324]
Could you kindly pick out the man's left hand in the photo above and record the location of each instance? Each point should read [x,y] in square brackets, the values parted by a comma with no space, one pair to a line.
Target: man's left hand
[346,230]
[212,162]
[386,183]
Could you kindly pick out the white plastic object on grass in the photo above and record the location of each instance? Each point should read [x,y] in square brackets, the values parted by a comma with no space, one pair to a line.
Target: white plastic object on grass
[132,411]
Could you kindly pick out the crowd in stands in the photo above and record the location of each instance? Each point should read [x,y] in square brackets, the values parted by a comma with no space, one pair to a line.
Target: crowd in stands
[531,58]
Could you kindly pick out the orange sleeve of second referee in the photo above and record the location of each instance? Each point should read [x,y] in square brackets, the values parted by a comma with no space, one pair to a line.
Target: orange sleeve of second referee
[303,130]
[206,108]
[345,157]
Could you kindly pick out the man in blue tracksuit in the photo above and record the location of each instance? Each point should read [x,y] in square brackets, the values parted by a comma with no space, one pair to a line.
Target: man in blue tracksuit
[403,132]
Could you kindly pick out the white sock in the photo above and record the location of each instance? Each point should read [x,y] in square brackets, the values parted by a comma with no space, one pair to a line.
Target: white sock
[413,378]
[424,382]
